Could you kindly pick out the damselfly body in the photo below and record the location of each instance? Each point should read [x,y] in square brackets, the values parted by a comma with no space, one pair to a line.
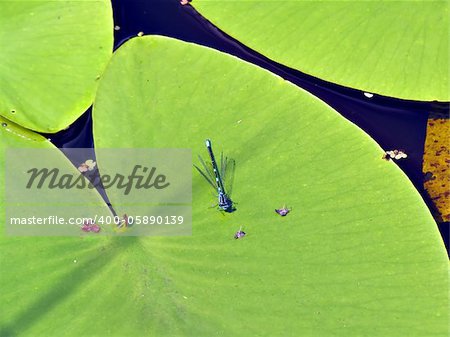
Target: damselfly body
[218,178]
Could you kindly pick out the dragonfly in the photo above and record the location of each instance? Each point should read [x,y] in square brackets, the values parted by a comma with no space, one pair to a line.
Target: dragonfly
[216,177]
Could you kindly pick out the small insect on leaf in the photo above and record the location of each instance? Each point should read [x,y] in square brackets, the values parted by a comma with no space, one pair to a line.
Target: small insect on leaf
[283,211]
[239,234]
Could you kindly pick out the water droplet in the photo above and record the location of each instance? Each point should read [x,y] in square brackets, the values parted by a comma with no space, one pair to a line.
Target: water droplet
[4,125]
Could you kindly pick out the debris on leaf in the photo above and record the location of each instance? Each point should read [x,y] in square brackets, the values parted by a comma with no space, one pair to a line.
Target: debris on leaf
[185,2]
[125,221]
[86,228]
[428,176]
[90,226]
[123,225]
[394,154]
[88,165]
[95,228]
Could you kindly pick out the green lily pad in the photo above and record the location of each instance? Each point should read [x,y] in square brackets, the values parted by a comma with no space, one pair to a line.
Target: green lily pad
[38,272]
[51,56]
[393,48]
[358,255]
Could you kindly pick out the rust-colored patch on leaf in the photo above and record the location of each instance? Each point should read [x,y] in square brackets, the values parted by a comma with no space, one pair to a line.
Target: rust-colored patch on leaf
[436,165]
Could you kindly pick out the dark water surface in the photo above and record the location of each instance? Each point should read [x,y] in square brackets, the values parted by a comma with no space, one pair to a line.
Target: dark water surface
[393,123]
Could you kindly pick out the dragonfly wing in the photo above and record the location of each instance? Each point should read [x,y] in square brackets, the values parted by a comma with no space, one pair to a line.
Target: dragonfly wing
[230,166]
[207,172]
[208,169]
[222,166]
[205,176]
[224,161]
